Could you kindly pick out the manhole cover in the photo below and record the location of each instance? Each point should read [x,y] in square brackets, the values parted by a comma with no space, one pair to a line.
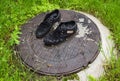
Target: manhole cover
[66,58]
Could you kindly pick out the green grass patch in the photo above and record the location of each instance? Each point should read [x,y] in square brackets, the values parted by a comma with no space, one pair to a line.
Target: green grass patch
[14,13]
[112,69]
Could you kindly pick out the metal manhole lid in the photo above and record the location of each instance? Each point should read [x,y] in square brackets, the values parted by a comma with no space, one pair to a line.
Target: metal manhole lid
[66,58]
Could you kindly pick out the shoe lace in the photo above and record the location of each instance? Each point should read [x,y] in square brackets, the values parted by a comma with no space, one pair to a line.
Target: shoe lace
[45,24]
[59,32]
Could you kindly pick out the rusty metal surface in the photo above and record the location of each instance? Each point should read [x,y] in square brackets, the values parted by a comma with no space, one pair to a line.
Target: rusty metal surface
[69,57]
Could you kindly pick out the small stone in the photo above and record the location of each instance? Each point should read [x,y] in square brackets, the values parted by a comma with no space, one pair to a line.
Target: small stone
[49,65]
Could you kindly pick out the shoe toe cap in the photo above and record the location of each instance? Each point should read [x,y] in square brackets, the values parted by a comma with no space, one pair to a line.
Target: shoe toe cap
[49,41]
[39,34]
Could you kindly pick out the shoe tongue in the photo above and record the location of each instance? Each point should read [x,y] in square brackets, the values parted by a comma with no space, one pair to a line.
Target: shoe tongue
[63,27]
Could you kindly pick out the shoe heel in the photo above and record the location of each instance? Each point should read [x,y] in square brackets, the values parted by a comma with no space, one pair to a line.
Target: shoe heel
[59,19]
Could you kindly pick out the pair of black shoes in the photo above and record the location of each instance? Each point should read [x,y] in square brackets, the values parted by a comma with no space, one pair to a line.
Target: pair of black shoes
[64,30]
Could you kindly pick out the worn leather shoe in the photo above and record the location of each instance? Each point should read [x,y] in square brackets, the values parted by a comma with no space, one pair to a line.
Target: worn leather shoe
[63,31]
[47,23]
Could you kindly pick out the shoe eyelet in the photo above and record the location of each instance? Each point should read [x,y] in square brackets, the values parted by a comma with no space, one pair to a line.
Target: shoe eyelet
[62,32]
[51,21]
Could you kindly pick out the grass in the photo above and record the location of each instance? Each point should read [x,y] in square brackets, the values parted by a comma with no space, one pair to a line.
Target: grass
[13,13]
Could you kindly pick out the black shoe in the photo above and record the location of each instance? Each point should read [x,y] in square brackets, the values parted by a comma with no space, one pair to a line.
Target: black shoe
[64,30]
[47,23]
